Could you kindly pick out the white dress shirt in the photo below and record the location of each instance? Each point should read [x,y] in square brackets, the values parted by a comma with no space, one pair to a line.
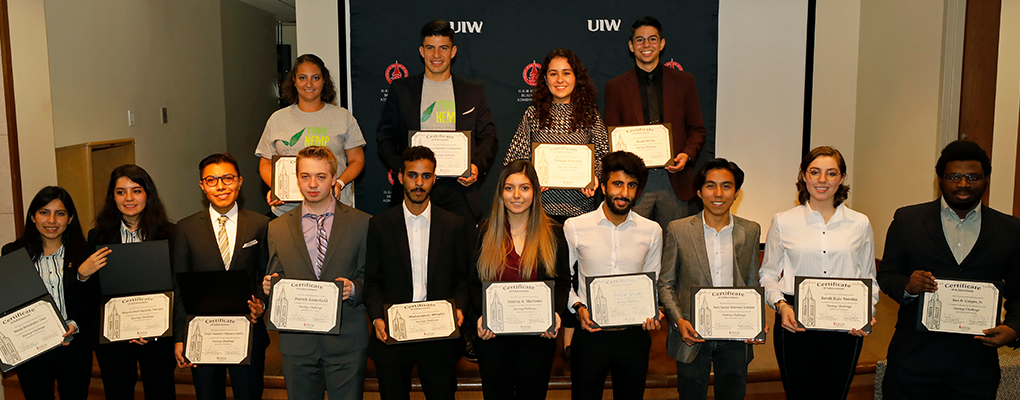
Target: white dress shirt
[961,234]
[719,247]
[601,248]
[801,243]
[231,226]
[418,243]
[51,270]
[129,236]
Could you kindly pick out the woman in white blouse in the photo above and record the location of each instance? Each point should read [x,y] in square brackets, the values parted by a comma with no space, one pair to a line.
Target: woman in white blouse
[821,237]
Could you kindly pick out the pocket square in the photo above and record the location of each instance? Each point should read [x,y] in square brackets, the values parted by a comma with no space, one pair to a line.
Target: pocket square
[251,243]
[468,111]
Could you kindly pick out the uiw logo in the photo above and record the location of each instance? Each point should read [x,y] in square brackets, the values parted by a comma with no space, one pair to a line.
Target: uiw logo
[467,26]
[604,25]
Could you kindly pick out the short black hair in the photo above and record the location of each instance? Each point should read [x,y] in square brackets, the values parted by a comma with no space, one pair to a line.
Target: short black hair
[437,28]
[415,153]
[629,163]
[963,150]
[219,158]
[718,163]
[646,21]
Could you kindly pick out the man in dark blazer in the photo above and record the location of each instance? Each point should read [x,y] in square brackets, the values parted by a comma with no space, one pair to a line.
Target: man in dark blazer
[406,110]
[405,265]
[653,94]
[224,237]
[954,237]
[686,263]
[322,240]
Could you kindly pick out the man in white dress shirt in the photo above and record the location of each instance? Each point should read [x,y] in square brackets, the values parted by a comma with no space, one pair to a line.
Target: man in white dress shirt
[612,240]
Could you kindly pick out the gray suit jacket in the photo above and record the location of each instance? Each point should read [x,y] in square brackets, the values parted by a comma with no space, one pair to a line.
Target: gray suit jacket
[685,264]
[345,257]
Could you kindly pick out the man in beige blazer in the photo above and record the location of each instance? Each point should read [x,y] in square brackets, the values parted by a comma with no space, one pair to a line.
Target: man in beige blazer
[711,248]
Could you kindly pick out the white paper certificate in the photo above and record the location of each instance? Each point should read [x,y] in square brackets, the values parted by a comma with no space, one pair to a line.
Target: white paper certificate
[452,150]
[564,166]
[309,306]
[285,185]
[518,307]
[29,332]
[653,143]
[621,300]
[133,317]
[218,340]
[960,307]
[728,313]
[833,304]
[421,320]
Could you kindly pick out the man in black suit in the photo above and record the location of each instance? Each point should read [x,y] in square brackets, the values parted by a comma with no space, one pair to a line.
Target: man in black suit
[224,237]
[438,101]
[954,237]
[416,252]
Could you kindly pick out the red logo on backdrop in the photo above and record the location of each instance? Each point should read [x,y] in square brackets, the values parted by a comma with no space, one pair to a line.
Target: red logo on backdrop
[395,71]
[389,176]
[674,65]
[531,73]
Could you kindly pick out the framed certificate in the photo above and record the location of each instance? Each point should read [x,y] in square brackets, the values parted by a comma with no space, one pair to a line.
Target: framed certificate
[564,166]
[304,306]
[833,304]
[622,300]
[420,321]
[29,331]
[518,308]
[452,150]
[960,306]
[218,340]
[653,143]
[285,187]
[127,318]
[728,313]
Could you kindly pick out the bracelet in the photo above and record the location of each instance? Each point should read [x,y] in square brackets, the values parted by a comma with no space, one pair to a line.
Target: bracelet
[83,278]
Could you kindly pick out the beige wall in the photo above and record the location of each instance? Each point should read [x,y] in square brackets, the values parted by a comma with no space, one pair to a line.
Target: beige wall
[7,217]
[318,32]
[1007,105]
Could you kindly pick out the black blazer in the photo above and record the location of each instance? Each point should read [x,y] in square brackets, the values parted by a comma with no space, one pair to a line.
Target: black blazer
[916,242]
[562,278]
[196,250]
[402,113]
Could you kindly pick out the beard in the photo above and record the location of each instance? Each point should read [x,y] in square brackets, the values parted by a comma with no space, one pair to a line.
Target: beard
[416,195]
[620,211]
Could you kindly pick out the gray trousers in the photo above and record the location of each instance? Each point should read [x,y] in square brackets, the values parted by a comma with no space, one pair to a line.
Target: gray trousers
[342,375]
[658,202]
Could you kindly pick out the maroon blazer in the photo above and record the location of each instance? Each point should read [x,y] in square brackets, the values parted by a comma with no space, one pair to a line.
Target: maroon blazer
[680,108]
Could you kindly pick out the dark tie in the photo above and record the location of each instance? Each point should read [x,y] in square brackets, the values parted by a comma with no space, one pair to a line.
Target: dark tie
[654,110]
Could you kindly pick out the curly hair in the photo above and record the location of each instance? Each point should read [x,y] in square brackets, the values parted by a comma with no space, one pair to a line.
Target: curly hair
[289,92]
[584,97]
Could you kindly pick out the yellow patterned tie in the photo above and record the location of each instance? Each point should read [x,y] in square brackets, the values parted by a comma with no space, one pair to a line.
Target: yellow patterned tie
[223,241]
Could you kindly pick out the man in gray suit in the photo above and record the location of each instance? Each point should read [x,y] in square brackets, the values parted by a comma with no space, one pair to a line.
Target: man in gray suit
[323,240]
[712,248]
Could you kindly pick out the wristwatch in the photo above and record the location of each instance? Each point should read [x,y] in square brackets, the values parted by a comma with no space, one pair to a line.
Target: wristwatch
[578,306]
[779,305]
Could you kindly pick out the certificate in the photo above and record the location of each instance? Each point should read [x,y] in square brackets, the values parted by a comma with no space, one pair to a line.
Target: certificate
[132,317]
[422,320]
[304,306]
[29,332]
[564,166]
[285,187]
[218,340]
[621,300]
[728,313]
[518,308]
[960,306]
[833,304]
[653,143]
[452,150]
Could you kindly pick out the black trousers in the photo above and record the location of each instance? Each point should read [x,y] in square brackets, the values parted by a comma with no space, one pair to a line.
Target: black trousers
[69,366]
[246,381]
[515,367]
[816,364]
[729,358]
[595,355]
[119,364]
[436,361]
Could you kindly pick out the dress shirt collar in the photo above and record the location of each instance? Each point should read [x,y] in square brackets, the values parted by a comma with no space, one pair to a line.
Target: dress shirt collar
[427,214]
[603,220]
[642,75]
[59,254]
[950,213]
[812,216]
[231,215]
[724,229]
[329,210]
[127,236]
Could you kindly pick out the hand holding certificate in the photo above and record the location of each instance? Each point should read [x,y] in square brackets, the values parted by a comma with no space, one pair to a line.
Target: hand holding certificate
[653,143]
[518,308]
[29,332]
[728,313]
[219,340]
[422,320]
[960,306]
[452,150]
[304,306]
[833,304]
[622,300]
[564,166]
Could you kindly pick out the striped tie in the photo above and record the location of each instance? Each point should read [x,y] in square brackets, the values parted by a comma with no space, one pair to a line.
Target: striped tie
[322,241]
[223,241]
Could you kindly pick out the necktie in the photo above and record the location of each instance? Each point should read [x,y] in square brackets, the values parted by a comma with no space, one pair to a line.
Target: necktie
[654,113]
[223,241]
[321,242]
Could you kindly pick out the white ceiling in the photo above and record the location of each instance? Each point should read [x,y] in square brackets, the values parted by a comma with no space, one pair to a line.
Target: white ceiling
[280,8]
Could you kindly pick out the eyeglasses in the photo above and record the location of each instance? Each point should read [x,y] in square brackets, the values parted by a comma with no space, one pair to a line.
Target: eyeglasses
[971,178]
[227,180]
[640,40]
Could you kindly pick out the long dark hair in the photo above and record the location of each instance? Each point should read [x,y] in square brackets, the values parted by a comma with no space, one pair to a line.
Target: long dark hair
[72,238]
[153,219]
[584,98]
[290,93]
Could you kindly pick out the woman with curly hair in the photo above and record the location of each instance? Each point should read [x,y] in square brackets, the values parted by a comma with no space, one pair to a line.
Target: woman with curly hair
[563,110]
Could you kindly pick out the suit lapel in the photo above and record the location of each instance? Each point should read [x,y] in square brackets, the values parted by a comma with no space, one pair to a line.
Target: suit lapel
[336,232]
[208,235]
[294,223]
[436,232]
[239,235]
[697,235]
[460,103]
[989,225]
[933,225]
[415,108]
[634,97]
[399,229]
[738,245]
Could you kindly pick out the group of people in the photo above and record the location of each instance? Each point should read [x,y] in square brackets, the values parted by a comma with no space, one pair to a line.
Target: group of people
[435,244]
